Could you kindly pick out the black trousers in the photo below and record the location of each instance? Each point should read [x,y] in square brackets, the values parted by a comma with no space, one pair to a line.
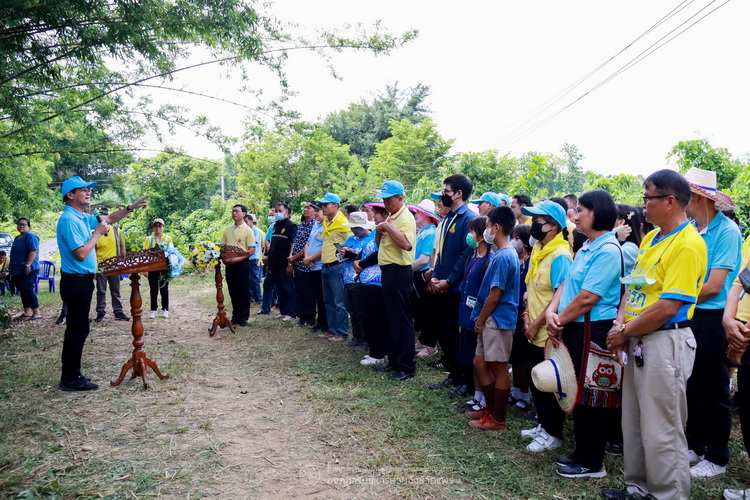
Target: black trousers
[303,286]
[355,310]
[320,304]
[467,348]
[238,284]
[397,284]
[709,403]
[550,415]
[369,299]
[444,322]
[77,291]
[284,286]
[155,288]
[420,310]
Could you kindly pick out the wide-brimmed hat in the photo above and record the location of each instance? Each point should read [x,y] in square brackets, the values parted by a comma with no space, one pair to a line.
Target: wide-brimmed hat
[556,374]
[426,207]
[375,204]
[703,182]
[548,207]
[359,219]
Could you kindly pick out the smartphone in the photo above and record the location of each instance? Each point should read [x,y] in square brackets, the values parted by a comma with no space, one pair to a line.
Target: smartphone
[338,247]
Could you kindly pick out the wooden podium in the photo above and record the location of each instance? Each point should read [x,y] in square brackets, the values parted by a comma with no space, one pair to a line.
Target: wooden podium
[221,320]
[133,263]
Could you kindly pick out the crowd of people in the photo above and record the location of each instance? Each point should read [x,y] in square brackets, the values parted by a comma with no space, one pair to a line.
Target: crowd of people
[630,318]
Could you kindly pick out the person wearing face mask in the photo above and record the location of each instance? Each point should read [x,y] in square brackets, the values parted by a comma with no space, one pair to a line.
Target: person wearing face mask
[495,314]
[279,265]
[305,299]
[709,405]
[444,279]
[550,260]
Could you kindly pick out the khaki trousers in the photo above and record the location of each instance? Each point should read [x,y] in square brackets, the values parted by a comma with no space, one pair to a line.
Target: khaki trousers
[654,414]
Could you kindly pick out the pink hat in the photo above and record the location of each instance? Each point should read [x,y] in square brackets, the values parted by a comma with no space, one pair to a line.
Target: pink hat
[426,207]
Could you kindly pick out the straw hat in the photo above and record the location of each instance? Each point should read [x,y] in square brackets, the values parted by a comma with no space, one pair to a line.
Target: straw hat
[703,182]
[556,374]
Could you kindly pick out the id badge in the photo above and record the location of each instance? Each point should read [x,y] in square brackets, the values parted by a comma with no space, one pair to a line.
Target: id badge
[471,301]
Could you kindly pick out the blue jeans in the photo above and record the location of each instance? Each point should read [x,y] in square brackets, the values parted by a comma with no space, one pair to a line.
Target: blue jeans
[256,274]
[333,295]
[269,294]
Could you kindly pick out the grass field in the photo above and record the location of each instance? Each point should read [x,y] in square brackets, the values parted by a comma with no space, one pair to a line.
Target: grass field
[267,412]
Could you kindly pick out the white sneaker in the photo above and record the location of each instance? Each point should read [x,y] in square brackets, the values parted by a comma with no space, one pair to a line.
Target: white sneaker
[286,318]
[544,442]
[369,360]
[164,313]
[152,315]
[736,494]
[279,316]
[708,470]
[694,458]
[532,433]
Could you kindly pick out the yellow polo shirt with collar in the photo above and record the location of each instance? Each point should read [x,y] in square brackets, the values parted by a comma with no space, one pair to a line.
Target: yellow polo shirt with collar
[388,251]
[106,245]
[240,236]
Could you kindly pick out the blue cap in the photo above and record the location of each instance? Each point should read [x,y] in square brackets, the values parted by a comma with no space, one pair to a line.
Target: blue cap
[504,197]
[547,207]
[436,195]
[329,198]
[390,188]
[75,183]
[490,198]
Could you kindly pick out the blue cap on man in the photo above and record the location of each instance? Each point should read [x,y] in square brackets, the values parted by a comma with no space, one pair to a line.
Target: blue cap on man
[547,207]
[75,183]
[390,188]
[329,198]
[489,197]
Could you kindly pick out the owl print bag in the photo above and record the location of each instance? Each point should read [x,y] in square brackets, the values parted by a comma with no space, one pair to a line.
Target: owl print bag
[602,379]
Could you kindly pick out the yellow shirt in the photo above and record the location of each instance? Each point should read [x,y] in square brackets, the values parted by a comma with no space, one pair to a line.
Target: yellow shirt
[388,251]
[743,307]
[746,245]
[333,232]
[107,245]
[678,262]
[540,289]
[240,236]
[150,241]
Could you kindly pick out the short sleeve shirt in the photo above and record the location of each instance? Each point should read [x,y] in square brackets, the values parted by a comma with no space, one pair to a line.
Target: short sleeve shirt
[19,252]
[150,241]
[724,246]
[316,245]
[107,246]
[678,261]
[743,307]
[549,276]
[240,236]
[425,244]
[389,252]
[596,269]
[332,237]
[502,272]
[73,231]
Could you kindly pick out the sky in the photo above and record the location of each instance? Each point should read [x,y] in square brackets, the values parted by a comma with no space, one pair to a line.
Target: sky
[495,68]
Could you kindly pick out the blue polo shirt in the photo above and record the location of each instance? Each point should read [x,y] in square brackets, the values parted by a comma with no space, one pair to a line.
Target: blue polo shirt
[503,273]
[19,252]
[425,244]
[630,252]
[724,244]
[258,237]
[315,245]
[452,250]
[596,269]
[73,231]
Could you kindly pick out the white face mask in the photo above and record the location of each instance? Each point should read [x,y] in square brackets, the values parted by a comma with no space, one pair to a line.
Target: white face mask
[488,236]
[532,241]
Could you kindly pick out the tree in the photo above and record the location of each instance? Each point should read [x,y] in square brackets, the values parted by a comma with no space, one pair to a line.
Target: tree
[487,170]
[699,153]
[624,188]
[364,124]
[570,175]
[536,178]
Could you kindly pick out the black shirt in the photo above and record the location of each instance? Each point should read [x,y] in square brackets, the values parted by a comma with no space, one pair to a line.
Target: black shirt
[282,239]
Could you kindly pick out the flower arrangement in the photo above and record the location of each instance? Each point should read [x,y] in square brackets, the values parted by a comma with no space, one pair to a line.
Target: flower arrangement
[175,262]
[205,254]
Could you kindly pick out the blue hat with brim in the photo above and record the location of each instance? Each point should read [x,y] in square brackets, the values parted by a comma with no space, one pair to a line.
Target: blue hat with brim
[329,198]
[75,183]
[390,188]
[436,195]
[505,198]
[547,207]
[489,197]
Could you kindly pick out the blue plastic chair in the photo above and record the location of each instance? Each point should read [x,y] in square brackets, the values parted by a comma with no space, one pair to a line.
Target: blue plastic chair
[47,271]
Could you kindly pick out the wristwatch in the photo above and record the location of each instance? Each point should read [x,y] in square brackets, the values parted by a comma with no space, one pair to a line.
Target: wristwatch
[621,331]
[129,209]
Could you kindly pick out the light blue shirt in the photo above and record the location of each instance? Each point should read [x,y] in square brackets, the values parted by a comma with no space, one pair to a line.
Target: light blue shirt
[596,269]
[630,252]
[315,245]
[258,236]
[73,231]
[724,244]
[425,244]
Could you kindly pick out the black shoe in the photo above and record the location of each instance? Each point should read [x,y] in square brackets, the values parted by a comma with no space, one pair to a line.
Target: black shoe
[566,460]
[261,312]
[382,369]
[60,320]
[448,382]
[122,317]
[363,347]
[79,384]
[399,375]
[532,417]
[579,470]
[242,323]
[621,495]
[460,391]
[469,405]
[99,318]
[354,342]
[614,449]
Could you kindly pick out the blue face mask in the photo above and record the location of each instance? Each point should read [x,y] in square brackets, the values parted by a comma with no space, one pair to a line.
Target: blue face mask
[271,219]
[279,216]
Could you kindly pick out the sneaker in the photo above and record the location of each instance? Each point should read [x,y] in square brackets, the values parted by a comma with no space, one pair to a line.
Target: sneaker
[694,458]
[427,351]
[579,470]
[61,320]
[488,423]
[569,460]
[164,313]
[708,470]
[418,346]
[287,318]
[522,404]
[532,433]
[736,494]
[79,384]
[369,360]
[152,315]
[544,442]
[354,342]
[614,449]
[477,415]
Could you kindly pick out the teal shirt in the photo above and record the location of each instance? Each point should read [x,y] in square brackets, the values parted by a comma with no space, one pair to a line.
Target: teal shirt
[73,231]
[724,244]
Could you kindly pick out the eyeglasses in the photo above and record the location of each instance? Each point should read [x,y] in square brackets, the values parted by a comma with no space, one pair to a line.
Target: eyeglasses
[646,199]
[85,190]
